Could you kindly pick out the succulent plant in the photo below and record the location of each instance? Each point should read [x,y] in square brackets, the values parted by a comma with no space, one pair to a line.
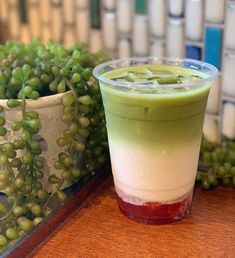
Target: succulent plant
[29,72]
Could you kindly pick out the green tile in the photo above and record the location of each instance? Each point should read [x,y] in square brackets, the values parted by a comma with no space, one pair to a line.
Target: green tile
[141,6]
[23,11]
[95,13]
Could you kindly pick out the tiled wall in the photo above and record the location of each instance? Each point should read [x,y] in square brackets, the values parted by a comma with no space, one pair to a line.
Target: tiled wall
[200,29]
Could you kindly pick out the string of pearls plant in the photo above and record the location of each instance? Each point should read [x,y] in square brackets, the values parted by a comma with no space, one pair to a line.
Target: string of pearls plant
[32,71]
[216,164]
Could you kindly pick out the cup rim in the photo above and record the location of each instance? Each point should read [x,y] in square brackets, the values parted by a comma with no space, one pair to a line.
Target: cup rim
[180,62]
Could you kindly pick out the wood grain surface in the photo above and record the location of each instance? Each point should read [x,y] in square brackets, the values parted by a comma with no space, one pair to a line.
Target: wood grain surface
[99,230]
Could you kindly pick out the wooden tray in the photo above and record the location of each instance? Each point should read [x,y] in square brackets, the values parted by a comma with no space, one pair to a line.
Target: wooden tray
[76,196]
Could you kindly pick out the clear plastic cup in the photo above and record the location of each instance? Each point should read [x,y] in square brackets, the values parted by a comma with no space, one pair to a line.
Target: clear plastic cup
[154,133]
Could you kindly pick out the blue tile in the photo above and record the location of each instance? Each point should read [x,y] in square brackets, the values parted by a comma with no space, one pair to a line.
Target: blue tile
[193,52]
[213,46]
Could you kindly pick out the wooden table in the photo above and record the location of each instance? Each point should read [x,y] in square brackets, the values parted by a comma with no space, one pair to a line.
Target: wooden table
[98,229]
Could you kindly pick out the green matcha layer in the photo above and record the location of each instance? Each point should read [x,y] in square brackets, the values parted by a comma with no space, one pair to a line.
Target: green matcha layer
[153,115]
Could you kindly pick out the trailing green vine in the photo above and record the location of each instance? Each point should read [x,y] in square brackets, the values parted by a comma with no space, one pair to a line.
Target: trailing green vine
[216,164]
[31,71]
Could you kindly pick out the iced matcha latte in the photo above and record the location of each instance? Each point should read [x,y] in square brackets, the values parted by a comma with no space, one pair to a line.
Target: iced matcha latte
[154,112]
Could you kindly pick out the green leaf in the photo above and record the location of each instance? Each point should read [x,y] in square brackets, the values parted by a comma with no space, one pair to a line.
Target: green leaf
[11,103]
[18,73]
[2,208]
[2,79]
[26,71]
[76,54]
[53,179]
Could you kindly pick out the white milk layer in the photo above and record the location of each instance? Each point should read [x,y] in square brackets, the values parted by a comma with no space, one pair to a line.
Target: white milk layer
[153,174]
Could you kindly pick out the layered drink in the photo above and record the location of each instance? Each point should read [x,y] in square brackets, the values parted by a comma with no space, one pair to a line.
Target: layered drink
[154,112]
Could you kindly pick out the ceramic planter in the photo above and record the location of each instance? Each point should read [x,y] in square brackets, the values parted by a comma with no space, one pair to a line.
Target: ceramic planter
[50,111]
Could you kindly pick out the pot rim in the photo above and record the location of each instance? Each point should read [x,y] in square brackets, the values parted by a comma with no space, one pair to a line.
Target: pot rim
[46,101]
